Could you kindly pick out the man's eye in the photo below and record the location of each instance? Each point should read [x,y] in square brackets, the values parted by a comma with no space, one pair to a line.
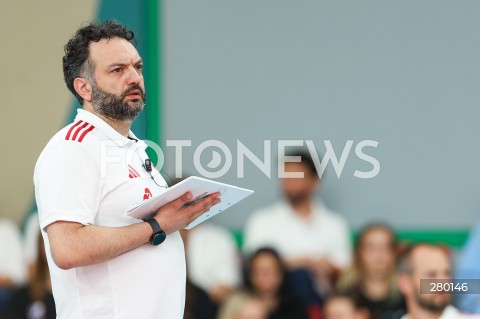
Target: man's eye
[140,67]
[117,70]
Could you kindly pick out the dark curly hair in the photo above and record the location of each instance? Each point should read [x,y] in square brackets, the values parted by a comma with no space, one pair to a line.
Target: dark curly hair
[76,61]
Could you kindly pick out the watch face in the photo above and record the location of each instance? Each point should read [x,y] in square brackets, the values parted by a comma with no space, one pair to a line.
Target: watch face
[158,238]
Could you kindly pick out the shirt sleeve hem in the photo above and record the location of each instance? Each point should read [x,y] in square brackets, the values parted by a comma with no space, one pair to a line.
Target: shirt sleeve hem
[80,218]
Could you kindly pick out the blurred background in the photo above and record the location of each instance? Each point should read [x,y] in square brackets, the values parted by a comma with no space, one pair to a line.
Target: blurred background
[402,74]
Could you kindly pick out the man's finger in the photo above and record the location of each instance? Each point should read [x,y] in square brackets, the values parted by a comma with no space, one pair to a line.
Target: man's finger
[182,200]
[204,205]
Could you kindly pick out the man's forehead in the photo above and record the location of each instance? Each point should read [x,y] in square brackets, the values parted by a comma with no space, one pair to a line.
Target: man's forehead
[428,257]
[115,50]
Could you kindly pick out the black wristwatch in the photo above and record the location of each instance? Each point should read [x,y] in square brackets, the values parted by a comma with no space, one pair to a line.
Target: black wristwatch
[159,235]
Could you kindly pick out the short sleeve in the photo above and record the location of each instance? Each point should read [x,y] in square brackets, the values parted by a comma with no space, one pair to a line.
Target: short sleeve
[67,180]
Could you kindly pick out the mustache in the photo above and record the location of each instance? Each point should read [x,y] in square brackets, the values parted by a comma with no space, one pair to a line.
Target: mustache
[132,88]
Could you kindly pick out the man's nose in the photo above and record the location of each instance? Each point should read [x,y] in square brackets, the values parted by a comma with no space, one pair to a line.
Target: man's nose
[134,76]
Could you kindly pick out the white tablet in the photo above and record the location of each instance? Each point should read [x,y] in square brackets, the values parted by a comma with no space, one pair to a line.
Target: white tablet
[199,187]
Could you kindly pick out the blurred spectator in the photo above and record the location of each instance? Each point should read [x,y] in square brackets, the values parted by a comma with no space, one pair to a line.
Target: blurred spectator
[241,305]
[12,266]
[213,269]
[32,231]
[35,300]
[426,261]
[198,304]
[305,232]
[213,261]
[344,307]
[372,278]
[265,276]
[468,267]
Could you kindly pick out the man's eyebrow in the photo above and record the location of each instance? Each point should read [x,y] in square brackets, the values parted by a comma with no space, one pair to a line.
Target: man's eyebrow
[118,64]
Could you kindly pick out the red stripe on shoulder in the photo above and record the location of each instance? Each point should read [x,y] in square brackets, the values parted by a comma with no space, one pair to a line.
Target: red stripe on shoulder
[134,169]
[67,137]
[88,130]
[84,125]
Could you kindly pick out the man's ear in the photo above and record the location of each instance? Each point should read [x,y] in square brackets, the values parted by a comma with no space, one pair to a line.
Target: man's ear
[404,284]
[83,88]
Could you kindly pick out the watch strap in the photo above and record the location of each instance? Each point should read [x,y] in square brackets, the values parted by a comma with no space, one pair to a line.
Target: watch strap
[154,224]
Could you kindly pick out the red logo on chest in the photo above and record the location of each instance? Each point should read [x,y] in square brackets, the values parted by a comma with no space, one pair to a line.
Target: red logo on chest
[147,194]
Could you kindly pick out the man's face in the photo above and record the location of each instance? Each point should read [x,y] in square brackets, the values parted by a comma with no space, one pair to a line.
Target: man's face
[429,263]
[118,90]
[298,190]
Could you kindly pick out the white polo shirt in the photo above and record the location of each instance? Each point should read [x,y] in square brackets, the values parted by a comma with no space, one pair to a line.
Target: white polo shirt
[90,174]
[324,235]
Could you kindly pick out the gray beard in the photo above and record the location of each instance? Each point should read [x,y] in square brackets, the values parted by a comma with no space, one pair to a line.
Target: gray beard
[114,107]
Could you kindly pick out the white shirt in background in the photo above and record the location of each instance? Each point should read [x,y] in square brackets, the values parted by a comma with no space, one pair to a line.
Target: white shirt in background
[212,257]
[324,235]
[452,313]
[12,263]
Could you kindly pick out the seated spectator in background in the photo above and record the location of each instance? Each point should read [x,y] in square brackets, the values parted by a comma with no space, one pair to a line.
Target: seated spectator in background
[213,260]
[12,265]
[198,304]
[265,276]
[344,307]
[468,267]
[213,265]
[35,300]
[303,230]
[372,278]
[241,305]
[426,261]
[32,229]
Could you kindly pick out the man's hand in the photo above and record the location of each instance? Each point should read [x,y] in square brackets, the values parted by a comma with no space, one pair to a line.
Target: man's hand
[175,215]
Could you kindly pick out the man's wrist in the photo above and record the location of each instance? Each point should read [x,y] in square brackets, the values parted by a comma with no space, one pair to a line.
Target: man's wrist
[158,235]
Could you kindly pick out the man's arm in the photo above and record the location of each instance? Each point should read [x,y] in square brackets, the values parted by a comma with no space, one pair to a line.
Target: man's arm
[74,245]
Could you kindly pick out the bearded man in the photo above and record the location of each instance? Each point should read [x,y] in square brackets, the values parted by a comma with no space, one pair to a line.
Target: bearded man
[313,240]
[103,263]
[420,265]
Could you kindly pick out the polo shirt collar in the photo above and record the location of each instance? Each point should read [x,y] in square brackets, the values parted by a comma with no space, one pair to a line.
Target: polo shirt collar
[106,129]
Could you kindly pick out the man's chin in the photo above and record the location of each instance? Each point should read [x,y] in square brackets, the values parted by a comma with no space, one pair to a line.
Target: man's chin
[436,306]
[296,199]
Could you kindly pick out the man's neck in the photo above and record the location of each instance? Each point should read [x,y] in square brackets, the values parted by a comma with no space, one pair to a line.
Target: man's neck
[122,127]
[303,209]
[119,126]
